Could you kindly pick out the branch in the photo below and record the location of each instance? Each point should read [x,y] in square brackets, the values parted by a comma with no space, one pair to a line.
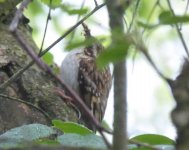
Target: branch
[96,4]
[138,42]
[27,103]
[151,13]
[18,15]
[46,25]
[178,31]
[116,11]
[73,28]
[78,17]
[133,15]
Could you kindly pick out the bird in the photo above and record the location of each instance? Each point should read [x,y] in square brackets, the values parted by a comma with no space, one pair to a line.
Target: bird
[80,72]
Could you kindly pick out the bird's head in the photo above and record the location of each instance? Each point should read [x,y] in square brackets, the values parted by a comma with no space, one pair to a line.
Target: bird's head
[94,47]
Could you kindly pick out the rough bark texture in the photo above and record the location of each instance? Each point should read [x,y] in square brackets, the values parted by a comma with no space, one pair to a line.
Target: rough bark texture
[180,114]
[33,86]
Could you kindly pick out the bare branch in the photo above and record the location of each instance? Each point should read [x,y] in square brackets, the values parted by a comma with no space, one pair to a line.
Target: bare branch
[133,16]
[178,31]
[78,17]
[46,25]
[151,13]
[73,28]
[142,48]
[29,50]
[27,103]
[18,15]
[96,4]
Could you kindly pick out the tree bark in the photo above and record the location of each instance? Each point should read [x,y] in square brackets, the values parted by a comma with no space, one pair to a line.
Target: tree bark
[33,86]
[116,11]
[180,114]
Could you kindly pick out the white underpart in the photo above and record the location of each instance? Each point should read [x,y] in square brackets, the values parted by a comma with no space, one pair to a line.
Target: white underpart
[69,70]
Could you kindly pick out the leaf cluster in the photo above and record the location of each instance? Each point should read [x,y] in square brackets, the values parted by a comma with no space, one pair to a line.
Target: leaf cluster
[72,135]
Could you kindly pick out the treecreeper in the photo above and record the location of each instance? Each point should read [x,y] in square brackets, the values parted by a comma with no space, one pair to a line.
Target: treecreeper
[80,72]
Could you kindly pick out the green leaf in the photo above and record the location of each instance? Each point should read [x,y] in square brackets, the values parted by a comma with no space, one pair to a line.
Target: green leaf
[105,125]
[1,1]
[86,141]
[148,26]
[78,11]
[117,51]
[69,9]
[24,134]
[74,45]
[34,9]
[112,54]
[48,58]
[145,9]
[154,139]
[71,127]
[79,44]
[54,4]
[166,17]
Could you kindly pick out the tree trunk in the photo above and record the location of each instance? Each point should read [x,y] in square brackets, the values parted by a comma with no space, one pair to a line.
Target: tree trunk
[180,114]
[33,86]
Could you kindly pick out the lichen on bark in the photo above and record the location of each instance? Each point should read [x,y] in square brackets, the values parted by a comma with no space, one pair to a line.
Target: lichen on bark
[34,86]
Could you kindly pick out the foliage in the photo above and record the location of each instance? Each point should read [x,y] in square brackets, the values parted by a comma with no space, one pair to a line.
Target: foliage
[24,134]
[75,135]
[53,3]
[70,127]
[154,139]
[48,58]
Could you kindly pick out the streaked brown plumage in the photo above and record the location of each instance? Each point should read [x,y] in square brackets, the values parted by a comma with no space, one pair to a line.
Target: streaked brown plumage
[92,85]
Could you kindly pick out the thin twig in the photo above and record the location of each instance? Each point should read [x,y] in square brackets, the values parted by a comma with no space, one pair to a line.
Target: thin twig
[15,75]
[29,49]
[68,99]
[130,26]
[46,25]
[96,4]
[105,140]
[151,13]
[73,28]
[78,17]
[184,13]
[140,46]
[125,21]
[100,24]
[27,103]
[133,16]
[18,15]
[178,31]
[21,71]
[187,5]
